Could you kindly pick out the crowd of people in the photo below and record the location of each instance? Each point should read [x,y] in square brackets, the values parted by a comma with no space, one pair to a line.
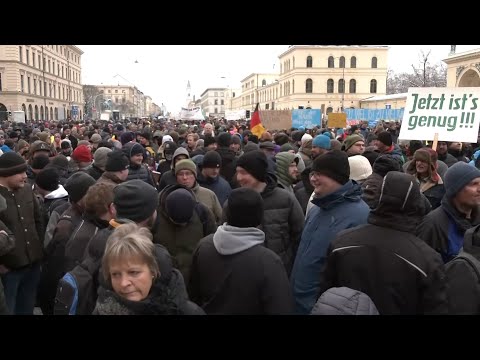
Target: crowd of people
[174,217]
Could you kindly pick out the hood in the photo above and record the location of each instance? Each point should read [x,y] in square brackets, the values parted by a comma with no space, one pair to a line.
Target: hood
[57,194]
[344,301]
[283,160]
[180,151]
[400,205]
[229,240]
[226,154]
[350,191]
[385,163]
[165,192]
[471,241]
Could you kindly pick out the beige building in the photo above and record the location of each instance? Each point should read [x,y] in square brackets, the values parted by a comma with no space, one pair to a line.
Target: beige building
[212,102]
[463,69]
[316,76]
[129,100]
[42,80]
[393,101]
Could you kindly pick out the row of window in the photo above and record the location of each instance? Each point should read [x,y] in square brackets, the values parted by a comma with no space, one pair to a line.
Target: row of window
[42,113]
[63,92]
[330,63]
[49,66]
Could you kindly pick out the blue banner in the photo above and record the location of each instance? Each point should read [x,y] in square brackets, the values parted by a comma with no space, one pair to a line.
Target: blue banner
[306,118]
[374,115]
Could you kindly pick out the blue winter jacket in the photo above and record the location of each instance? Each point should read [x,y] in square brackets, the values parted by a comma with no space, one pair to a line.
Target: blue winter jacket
[218,185]
[333,213]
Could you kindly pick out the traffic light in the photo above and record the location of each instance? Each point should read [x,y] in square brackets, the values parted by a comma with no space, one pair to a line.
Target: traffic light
[247,114]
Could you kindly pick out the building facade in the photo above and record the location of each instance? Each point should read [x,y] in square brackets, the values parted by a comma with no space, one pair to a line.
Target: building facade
[212,102]
[463,69]
[42,80]
[129,100]
[392,101]
[315,76]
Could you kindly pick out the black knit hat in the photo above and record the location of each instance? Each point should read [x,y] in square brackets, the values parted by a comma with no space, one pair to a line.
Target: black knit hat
[11,164]
[117,161]
[135,200]
[179,205]
[39,162]
[48,179]
[385,138]
[60,161]
[212,159]
[255,163]
[245,208]
[208,141]
[77,185]
[333,164]
[224,139]
[132,149]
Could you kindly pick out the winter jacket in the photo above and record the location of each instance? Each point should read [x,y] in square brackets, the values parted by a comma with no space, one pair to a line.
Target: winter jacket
[385,260]
[229,167]
[95,172]
[53,200]
[167,179]
[304,189]
[330,214]
[109,177]
[444,228]
[24,219]
[181,241]
[220,284]
[140,172]
[459,155]
[344,301]
[396,152]
[55,215]
[218,185]
[463,280]
[282,222]
[447,159]
[209,199]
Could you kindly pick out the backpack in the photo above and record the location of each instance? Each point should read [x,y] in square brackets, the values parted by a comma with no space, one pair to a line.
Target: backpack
[466,257]
[76,291]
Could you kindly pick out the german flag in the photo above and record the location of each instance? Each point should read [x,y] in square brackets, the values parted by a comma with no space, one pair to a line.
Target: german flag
[256,126]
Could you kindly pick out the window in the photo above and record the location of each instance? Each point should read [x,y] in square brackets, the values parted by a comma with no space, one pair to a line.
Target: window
[215,94]
[116,99]
[293,86]
[27,54]
[62,72]
[44,64]
[373,86]
[55,91]
[58,69]
[233,94]
[40,87]
[33,59]
[0,82]
[216,102]
[22,86]
[39,62]
[45,89]
[221,102]
[35,86]
[109,91]
[53,67]
[330,86]
[331,62]
[309,61]
[48,65]
[63,92]
[20,54]
[116,91]
[309,86]
[267,106]
[353,62]
[264,82]
[50,90]
[342,61]
[374,62]
[216,111]
[341,86]
[56,49]
[353,86]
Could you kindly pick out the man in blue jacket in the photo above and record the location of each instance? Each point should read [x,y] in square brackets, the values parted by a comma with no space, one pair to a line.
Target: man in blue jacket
[338,206]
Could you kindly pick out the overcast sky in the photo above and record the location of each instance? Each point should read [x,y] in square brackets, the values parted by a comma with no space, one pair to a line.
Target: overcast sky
[162,71]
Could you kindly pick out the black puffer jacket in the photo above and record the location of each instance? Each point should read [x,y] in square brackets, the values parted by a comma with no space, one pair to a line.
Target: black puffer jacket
[385,260]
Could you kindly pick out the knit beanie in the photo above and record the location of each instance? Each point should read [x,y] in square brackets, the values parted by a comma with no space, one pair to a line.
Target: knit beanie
[166,138]
[43,136]
[116,161]
[350,140]
[48,179]
[82,154]
[135,200]
[77,185]
[60,161]
[186,164]
[250,146]
[333,164]
[385,138]
[126,137]
[96,138]
[212,159]
[305,138]
[255,163]
[456,178]
[286,147]
[360,167]
[267,145]
[208,140]
[39,162]
[100,157]
[11,164]
[244,208]
[236,139]
[132,149]
[179,205]
[321,141]
[224,139]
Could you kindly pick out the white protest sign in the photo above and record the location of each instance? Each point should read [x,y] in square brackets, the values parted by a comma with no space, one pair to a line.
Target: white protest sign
[453,113]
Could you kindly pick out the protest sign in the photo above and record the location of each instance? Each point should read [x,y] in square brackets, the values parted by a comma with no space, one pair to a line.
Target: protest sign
[337,120]
[452,113]
[306,118]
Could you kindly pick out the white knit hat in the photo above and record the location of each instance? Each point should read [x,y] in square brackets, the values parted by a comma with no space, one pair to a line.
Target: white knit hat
[360,167]
[305,138]
[166,138]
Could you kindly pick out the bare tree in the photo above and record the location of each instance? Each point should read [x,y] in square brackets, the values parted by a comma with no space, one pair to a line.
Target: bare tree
[425,75]
[89,94]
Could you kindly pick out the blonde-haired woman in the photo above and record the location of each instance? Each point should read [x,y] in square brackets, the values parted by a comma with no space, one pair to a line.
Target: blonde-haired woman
[133,283]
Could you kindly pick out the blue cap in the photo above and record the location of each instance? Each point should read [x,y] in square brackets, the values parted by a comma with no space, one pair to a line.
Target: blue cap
[322,141]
